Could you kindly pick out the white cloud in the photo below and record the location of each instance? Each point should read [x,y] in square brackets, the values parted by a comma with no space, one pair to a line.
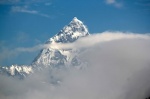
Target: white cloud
[79,44]
[92,40]
[114,3]
[98,38]
[25,9]
[118,68]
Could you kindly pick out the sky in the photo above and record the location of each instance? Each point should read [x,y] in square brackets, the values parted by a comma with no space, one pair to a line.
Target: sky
[25,23]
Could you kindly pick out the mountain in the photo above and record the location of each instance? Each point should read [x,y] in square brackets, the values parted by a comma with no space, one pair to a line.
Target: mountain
[74,30]
[52,57]
[16,71]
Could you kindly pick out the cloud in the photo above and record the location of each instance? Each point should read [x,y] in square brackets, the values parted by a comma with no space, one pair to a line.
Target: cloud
[97,38]
[24,9]
[7,53]
[118,68]
[114,3]
[30,49]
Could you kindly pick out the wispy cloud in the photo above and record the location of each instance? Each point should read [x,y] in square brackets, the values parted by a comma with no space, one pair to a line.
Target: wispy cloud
[30,49]
[114,3]
[25,9]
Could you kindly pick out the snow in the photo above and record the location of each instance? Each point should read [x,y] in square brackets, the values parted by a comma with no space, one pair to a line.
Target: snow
[12,70]
[75,19]
[76,34]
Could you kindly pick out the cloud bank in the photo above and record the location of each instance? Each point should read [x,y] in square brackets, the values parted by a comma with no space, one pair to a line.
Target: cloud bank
[25,9]
[118,68]
[88,41]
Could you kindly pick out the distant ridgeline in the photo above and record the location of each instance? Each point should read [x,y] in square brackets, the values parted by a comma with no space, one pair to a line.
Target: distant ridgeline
[16,71]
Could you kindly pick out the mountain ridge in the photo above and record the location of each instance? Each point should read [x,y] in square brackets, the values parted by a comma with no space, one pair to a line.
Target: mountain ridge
[51,57]
[70,33]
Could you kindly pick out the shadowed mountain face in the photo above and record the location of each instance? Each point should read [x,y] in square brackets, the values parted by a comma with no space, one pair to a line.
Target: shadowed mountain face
[51,57]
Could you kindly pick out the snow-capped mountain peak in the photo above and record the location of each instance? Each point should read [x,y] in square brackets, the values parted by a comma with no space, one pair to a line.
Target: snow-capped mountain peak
[53,57]
[71,32]
[57,57]
[75,20]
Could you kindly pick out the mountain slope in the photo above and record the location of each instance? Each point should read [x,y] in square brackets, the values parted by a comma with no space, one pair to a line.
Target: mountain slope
[52,57]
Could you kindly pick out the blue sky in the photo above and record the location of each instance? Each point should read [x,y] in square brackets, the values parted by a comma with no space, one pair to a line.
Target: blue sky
[26,23]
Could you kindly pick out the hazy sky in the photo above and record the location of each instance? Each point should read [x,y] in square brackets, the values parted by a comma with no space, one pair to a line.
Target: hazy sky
[26,23]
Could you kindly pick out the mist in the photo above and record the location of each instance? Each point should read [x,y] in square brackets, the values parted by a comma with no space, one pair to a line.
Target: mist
[118,66]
